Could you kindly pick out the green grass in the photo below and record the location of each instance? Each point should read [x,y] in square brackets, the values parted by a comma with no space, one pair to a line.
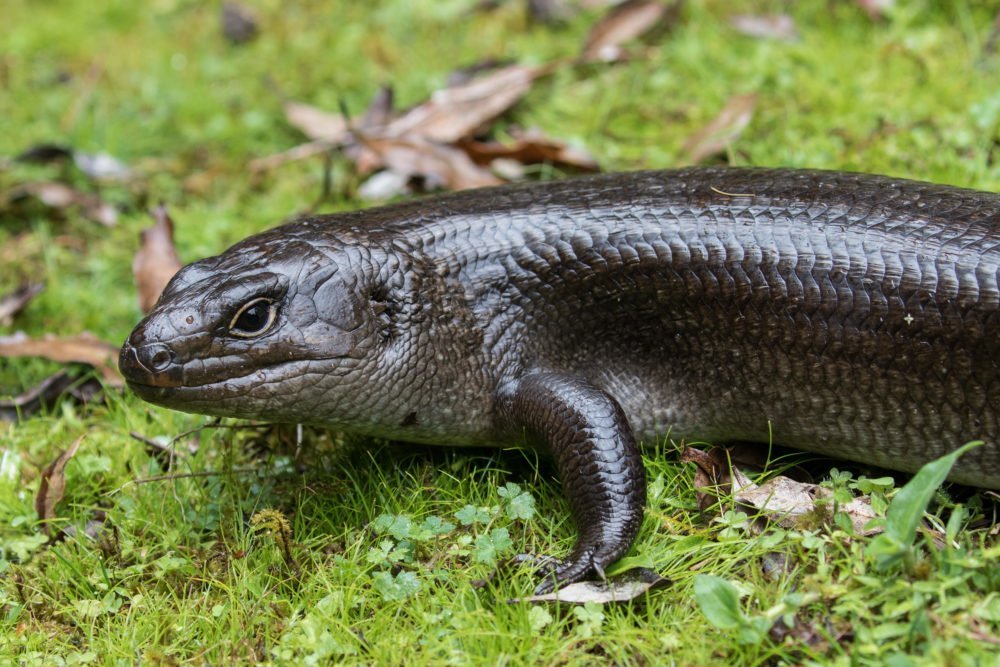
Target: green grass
[184,579]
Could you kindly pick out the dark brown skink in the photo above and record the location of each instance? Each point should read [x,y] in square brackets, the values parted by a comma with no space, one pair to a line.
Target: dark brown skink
[851,315]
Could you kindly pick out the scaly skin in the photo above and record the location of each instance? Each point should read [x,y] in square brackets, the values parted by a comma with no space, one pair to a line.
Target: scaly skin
[851,315]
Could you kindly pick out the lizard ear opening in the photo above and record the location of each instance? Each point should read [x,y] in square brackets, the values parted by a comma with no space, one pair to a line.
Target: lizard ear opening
[385,309]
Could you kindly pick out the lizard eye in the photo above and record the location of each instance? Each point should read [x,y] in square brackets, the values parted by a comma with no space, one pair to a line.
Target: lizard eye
[254,318]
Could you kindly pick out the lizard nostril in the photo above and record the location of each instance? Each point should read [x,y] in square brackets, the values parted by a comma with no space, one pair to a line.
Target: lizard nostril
[154,358]
[159,360]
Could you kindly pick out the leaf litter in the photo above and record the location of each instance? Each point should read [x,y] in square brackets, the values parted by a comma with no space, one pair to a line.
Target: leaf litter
[98,166]
[52,486]
[723,130]
[83,348]
[627,587]
[60,196]
[772,26]
[239,24]
[437,143]
[626,22]
[782,500]
[156,262]
[16,301]
[46,393]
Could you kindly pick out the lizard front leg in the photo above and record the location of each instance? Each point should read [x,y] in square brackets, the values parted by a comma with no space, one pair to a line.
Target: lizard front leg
[598,460]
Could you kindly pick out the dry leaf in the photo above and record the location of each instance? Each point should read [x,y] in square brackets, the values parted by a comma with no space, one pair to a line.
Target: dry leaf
[549,11]
[711,471]
[317,124]
[46,393]
[788,503]
[380,109]
[300,152]
[52,486]
[442,166]
[33,400]
[14,303]
[157,261]
[239,25]
[416,143]
[723,130]
[102,166]
[629,586]
[458,111]
[876,9]
[780,499]
[529,147]
[419,143]
[625,22]
[326,130]
[463,75]
[84,349]
[45,154]
[773,26]
[61,196]
[384,185]
[97,166]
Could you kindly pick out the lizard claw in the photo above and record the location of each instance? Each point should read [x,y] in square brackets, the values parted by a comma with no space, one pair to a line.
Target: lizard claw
[586,561]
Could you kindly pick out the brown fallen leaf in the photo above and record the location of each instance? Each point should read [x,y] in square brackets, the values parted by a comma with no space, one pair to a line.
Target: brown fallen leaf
[790,504]
[529,147]
[157,261]
[465,74]
[239,25]
[102,166]
[430,145]
[383,185]
[325,130]
[317,124]
[723,130]
[781,499]
[45,153]
[440,165]
[456,112]
[876,9]
[61,196]
[624,588]
[46,393]
[84,349]
[772,26]
[549,11]
[623,23]
[14,303]
[300,152]
[380,110]
[711,472]
[96,166]
[52,486]
[416,144]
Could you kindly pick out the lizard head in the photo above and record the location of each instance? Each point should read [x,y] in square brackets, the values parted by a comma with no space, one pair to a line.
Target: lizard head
[266,330]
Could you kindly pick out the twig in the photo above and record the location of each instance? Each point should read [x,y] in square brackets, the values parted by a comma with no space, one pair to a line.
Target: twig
[182,475]
[300,152]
